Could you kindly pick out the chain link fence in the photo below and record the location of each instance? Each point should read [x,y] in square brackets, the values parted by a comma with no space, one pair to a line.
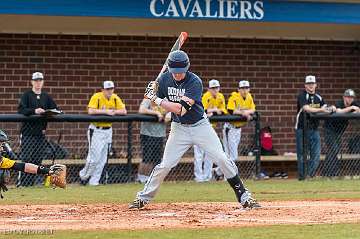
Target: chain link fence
[93,158]
[339,146]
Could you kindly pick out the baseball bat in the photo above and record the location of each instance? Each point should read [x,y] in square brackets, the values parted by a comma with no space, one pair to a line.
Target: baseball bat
[177,46]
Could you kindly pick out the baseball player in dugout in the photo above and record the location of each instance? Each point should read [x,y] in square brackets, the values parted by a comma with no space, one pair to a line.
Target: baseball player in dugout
[214,104]
[179,91]
[57,172]
[100,133]
[309,101]
[334,130]
[32,139]
[239,103]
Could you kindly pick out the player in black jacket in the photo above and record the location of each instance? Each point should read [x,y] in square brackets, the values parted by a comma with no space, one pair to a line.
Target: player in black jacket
[33,142]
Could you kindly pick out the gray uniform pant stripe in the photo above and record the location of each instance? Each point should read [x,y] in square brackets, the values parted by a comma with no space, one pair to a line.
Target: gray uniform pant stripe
[181,138]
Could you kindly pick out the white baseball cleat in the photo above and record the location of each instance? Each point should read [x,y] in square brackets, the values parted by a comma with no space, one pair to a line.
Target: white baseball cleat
[247,201]
[138,204]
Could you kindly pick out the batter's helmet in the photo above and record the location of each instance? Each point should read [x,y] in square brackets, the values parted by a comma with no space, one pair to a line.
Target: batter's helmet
[178,62]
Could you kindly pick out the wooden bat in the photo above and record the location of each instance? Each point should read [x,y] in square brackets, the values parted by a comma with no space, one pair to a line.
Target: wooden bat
[177,46]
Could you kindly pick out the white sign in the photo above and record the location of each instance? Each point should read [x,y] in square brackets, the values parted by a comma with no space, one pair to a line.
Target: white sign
[212,9]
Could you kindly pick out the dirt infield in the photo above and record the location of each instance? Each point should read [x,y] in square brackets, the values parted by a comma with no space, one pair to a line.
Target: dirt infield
[176,215]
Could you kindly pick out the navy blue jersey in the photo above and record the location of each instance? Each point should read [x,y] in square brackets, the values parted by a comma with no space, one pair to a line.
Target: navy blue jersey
[191,87]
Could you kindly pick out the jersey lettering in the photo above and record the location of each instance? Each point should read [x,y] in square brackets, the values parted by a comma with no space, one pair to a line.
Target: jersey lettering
[175,94]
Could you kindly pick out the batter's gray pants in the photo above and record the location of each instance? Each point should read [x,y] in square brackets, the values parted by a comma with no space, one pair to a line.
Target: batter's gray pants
[181,138]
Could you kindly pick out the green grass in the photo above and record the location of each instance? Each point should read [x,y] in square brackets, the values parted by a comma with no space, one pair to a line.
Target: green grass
[187,192]
[335,231]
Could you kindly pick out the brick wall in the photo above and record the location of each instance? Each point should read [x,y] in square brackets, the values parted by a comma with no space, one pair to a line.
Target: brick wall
[75,66]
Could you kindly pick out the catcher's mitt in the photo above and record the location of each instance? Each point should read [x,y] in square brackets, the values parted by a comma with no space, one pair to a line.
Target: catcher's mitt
[57,175]
[4,179]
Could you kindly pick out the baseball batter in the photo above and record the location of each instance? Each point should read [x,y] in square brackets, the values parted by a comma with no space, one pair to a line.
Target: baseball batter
[179,92]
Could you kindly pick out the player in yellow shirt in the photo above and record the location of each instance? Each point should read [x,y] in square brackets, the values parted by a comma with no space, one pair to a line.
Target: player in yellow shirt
[7,162]
[214,104]
[100,133]
[239,103]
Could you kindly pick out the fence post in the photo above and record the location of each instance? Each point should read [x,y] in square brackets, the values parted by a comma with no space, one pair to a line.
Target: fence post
[305,145]
[257,149]
[129,151]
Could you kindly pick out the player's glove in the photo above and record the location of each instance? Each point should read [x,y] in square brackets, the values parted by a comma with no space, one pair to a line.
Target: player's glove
[57,175]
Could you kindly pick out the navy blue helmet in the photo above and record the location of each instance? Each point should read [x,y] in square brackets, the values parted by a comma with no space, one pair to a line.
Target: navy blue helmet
[178,62]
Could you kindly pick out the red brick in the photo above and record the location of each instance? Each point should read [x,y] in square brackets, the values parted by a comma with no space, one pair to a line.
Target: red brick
[76,66]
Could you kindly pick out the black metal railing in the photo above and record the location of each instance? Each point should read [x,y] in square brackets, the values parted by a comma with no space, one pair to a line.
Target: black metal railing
[338,148]
[65,141]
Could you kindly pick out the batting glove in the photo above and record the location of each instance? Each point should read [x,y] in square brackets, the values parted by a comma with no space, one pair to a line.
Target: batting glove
[150,93]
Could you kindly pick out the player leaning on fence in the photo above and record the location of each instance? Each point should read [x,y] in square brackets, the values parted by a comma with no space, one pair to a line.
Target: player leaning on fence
[33,142]
[100,133]
[214,104]
[180,92]
[309,101]
[239,103]
[334,130]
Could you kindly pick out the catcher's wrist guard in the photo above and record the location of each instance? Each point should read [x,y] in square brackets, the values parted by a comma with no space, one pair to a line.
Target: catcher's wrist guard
[42,170]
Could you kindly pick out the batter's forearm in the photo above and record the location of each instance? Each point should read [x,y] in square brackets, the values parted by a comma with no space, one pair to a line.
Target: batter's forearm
[171,106]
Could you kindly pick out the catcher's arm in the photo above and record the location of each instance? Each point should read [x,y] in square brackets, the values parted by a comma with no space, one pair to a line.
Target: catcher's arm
[57,172]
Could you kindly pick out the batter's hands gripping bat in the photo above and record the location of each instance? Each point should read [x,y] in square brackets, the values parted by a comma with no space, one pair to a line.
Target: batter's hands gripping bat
[177,45]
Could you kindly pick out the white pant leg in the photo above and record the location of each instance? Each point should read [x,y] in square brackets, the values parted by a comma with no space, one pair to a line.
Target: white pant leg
[104,144]
[208,165]
[226,138]
[206,138]
[93,154]
[178,143]
[234,136]
[198,163]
